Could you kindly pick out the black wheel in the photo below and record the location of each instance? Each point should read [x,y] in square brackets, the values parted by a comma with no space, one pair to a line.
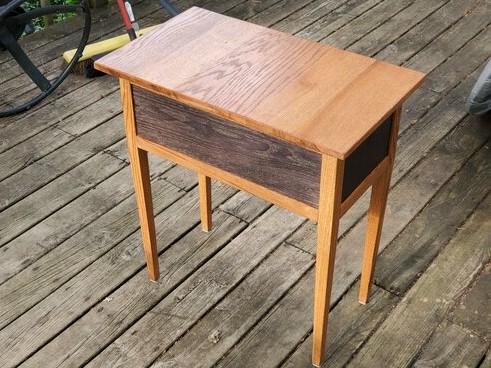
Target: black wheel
[30,65]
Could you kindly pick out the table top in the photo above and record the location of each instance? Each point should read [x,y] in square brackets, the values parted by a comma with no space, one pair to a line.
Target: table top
[318,97]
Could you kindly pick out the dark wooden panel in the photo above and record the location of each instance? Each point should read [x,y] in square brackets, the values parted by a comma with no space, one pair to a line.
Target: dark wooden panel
[366,158]
[267,161]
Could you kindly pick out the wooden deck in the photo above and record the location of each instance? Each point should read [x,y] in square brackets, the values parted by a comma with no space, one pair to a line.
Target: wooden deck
[73,285]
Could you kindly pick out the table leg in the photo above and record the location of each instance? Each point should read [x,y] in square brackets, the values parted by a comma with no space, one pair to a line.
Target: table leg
[375,221]
[376,213]
[141,179]
[143,193]
[204,183]
[327,232]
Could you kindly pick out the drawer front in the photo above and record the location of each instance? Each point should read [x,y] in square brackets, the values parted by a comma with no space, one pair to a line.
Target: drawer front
[270,162]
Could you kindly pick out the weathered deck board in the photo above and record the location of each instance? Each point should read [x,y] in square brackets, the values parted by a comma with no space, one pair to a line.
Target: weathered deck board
[118,188]
[367,22]
[451,346]
[487,360]
[336,19]
[424,33]
[409,326]
[73,288]
[394,27]
[54,137]
[68,220]
[49,198]
[188,302]
[227,322]
[71,100]
[69,301]
[472,311]
[307,15]
[45,232]
[400,264]
[350,325]
[111,316]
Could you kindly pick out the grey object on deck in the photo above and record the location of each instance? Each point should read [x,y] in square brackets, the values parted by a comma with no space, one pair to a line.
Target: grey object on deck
[479,100]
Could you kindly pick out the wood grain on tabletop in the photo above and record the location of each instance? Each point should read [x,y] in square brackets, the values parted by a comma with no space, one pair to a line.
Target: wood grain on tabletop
[322,98]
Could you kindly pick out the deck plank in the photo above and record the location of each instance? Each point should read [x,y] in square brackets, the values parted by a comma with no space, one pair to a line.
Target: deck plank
[337,18]
[41,176]
[111,316]
[451,346]
[277,12]
[446,44]
[368,21]
[72,97]
[462,63]
[245,206]
[58,135]
[412,322]
[487,360]
[350,325]
[38,278]
[313,12]
[49,232]
[472,312]
[421,35]
[221,328]
[43,231]
[428,233]
[66,304]
[36,206]
[395,27]
[196,295]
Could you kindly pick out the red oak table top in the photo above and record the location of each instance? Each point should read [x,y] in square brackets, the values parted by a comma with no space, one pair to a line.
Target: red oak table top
[318,97]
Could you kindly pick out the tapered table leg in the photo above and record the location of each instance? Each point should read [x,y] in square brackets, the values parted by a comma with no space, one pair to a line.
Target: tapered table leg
[375,220]
[141,179]
[204,183]
[327,232]
[376,213]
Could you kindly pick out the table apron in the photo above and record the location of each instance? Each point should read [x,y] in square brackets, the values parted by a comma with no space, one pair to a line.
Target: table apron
[274,164]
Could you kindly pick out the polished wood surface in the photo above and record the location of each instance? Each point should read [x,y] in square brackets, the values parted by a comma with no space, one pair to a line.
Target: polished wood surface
[318,97]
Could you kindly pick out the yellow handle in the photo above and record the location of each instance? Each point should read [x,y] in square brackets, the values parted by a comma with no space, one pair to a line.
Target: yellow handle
[105,46]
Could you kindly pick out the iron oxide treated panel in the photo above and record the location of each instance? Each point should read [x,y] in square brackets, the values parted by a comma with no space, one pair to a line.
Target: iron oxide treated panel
[272,163]
[366,157]
[275,164]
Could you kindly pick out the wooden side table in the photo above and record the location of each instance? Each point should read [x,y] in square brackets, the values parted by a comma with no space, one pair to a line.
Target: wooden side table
[305,126]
